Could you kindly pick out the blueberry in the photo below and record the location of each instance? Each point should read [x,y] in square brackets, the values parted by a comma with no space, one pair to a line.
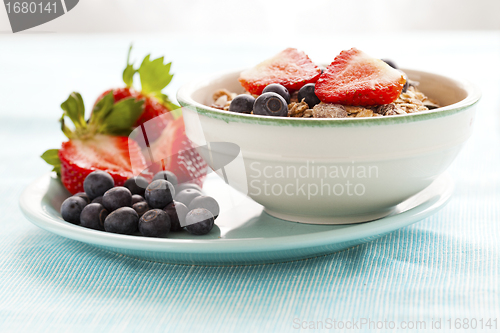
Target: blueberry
[206,202]
[117,197]
[390,63]
[187,195]
[270,104]
[71,209]
[177,212]
[84,196]
[407,83]
[199,221]
[136,185]
[166,175]
[97,183]
[137,198]
[154,223]
[430,106]
[122,221]
[140,207]
[307,93]
[93,216]
[242,103]
[159,193]
[184,186]
[97,200]
[278,89]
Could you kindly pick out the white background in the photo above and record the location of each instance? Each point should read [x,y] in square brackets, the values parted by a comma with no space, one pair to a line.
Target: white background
[85,50]
[318,17]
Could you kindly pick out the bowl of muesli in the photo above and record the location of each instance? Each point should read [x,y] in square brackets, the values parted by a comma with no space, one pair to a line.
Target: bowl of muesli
[357,138]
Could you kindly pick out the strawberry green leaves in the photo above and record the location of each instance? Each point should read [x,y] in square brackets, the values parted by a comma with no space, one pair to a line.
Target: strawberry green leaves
[154,75]
[174,108]
[121,118]
[74,108]
[51,156]
[107,117]
[118,118]
[102,109]
[129,71]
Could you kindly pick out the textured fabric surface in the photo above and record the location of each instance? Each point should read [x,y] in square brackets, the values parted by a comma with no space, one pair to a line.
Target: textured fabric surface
[444,267]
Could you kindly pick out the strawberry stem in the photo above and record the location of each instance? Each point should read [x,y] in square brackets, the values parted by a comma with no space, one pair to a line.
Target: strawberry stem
[129,71]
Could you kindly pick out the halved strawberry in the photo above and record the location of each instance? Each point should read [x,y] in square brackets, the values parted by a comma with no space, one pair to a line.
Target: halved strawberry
[355,78]
[291,68]
[102,143]
[113,154]
[117,112]
[174,152]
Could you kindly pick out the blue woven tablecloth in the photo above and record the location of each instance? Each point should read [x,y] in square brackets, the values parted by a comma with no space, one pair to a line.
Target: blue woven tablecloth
[443,268]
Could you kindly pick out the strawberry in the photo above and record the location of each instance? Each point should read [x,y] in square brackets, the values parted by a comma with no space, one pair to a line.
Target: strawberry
[161,121]
[106,141]
[102,143]
[152,109]
[355,78]
[154,77]
[291,68]
[174,152]
[113,154]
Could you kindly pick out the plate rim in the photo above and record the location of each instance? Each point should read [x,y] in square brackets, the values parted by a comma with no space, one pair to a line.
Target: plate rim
[31,205]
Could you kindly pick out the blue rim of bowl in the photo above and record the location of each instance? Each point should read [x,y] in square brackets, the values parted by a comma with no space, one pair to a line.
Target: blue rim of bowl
[185,92]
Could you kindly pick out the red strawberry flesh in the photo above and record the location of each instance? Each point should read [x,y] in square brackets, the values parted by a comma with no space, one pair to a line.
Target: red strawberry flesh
[291,68]
[355,78]
[114,154]
[174,152]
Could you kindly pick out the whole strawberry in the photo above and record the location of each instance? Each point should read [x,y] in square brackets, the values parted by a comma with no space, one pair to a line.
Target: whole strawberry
[101,143]
[154,76]
[160,126]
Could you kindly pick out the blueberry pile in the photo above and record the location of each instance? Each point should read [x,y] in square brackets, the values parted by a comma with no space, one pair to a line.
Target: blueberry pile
[154,209]
[273,101]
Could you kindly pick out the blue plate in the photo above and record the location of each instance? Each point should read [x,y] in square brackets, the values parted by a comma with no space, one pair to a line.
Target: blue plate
[244,233]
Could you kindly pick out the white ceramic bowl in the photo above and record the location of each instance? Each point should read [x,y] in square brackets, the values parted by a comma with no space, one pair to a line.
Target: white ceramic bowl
[342,170]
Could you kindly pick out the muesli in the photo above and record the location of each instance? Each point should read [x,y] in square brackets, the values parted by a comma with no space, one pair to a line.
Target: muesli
[353,85]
